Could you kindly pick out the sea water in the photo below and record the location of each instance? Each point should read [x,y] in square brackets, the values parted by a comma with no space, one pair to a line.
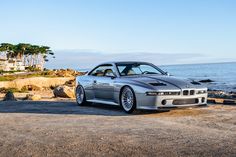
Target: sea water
[223,74]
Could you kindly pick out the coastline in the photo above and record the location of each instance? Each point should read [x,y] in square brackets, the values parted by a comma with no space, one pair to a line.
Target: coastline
[46,81]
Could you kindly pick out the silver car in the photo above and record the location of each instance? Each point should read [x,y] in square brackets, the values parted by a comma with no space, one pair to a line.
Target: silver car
[137,85]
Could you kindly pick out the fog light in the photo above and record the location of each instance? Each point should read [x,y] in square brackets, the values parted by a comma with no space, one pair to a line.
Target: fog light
[163,102]
[203,99]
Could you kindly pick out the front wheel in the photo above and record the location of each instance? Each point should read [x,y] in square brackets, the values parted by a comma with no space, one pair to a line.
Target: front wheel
[127,99]
[80,96]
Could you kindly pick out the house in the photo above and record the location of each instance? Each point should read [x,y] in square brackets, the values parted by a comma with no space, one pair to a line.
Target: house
[11,64]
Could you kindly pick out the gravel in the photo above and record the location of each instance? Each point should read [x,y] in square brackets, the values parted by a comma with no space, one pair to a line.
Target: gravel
[61,128]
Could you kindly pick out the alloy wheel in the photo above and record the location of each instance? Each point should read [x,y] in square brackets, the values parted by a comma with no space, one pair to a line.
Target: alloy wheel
[79,95]
[127,99]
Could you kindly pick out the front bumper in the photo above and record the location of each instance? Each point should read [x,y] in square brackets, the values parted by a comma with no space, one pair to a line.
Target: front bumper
[155,102]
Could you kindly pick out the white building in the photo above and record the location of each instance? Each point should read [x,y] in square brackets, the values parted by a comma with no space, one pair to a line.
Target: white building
[11,64]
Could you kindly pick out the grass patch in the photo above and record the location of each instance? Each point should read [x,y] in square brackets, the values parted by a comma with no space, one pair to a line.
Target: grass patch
[9,72]
[4,78]
[45,73]
[13,77]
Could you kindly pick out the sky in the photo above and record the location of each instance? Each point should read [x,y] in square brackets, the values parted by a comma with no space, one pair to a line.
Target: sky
[83,33]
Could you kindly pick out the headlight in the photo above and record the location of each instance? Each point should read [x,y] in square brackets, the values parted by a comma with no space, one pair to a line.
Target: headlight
[201,92]
[153,93]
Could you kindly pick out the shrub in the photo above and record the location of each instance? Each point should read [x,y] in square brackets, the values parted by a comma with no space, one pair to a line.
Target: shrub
[31,68]
[5,90]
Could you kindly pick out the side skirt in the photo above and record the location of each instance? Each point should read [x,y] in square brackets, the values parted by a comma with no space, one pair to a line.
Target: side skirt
[103,102]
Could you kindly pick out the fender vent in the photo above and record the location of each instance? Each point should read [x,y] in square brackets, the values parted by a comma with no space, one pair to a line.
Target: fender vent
[157,84]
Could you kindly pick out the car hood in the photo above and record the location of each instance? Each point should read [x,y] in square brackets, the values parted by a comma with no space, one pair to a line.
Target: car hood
[177,82]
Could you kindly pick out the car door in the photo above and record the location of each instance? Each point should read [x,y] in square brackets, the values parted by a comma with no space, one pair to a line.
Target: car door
[103,85]
[89,87]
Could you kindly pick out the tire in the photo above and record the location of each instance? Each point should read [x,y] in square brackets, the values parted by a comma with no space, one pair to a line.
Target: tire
[128,100]
[80,96]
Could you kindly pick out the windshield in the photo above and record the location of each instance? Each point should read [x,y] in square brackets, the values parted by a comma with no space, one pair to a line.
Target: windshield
[126,69]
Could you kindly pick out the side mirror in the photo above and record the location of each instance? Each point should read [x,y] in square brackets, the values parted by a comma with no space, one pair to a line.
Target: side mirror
[168,74]
[113,77]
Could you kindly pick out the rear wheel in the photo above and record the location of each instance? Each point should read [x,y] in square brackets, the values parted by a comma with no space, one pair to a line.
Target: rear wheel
[127,99]
[80,96]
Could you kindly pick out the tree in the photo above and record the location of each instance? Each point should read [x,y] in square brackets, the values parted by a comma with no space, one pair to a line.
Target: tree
[30,55]
[6,49]
[20,50]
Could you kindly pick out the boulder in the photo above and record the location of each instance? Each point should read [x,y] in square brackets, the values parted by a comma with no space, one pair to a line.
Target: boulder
[9,96]
[64,92]
[67,73]
[33,97]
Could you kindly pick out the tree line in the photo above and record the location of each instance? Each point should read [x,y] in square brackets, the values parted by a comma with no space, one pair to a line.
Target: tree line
[30,55]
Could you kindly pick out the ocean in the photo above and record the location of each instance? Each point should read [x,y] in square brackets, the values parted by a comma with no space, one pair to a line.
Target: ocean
[223,74]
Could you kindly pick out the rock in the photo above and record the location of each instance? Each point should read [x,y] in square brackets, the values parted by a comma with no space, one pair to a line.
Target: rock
[221,94]
[40,82]
[70,83]
[66,73]
[210,100]
[233,96]
[219,101]
[30,88]
[33,97]
[64,91]
[9,96]
[216,92]
[206,81]
[229,102]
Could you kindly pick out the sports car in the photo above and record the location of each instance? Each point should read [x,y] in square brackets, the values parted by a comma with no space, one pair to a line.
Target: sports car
[137,85]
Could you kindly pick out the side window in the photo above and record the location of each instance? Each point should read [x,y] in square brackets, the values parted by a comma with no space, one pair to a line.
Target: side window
[101,70]
[122,69]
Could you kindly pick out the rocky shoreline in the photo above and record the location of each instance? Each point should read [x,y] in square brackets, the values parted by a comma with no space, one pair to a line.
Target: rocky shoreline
[61,84]
[48,84]
[221,94]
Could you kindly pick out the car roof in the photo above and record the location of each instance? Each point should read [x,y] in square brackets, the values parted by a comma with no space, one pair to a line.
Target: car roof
[123,62]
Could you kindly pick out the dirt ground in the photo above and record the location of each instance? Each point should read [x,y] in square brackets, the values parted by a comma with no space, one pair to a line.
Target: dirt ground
[61,128]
